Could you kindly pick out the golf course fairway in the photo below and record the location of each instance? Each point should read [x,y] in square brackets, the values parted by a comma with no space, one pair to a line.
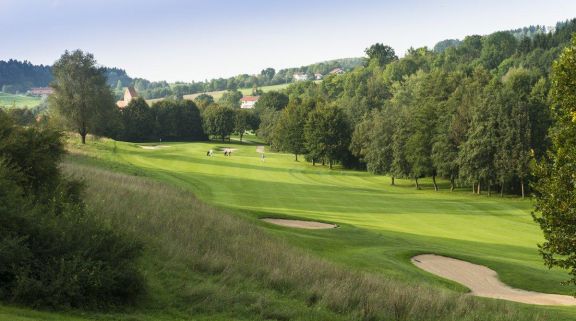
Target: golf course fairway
[380,227]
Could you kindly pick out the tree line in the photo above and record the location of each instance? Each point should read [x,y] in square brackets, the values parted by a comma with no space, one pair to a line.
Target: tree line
[476,113]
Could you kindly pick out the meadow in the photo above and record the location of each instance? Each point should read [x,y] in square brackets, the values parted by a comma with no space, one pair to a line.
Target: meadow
[18,101]
[218,94]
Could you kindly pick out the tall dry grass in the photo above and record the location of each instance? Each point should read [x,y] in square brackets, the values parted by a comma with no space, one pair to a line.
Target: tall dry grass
[204,260]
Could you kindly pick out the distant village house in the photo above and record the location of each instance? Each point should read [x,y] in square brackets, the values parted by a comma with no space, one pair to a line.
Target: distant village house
[337,71]
[129,94]
[318,76]
[300,76]
[248,102]
[41,91]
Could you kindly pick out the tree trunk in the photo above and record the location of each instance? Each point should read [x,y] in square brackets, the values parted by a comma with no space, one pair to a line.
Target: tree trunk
[323,162]
[313,161]
[83,131]
[522,187]
[489,189]
[451,183]
[242,134]
[502,189]
[434,182]
[417,185]
[392,181]
[296,156]
[473,188]
[479,190]
[330,164]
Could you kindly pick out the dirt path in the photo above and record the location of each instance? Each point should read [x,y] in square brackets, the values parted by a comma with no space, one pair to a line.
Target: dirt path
[484,282]
[300,224]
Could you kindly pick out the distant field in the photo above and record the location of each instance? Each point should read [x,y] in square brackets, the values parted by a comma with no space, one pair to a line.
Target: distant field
[245,91]
[18,101]
[218,94]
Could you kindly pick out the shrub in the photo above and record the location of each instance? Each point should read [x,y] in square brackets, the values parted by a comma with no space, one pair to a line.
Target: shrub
[52,253]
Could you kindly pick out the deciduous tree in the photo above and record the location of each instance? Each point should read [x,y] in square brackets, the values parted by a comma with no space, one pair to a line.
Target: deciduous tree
[81,96]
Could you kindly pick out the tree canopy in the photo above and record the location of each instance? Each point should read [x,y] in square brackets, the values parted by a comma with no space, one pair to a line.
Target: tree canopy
[81,96]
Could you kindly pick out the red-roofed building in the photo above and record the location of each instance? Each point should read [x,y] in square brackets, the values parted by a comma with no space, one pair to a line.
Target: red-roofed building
[248,102]
[129,94]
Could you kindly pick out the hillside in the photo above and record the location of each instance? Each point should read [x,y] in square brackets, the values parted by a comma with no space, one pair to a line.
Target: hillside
[216,261]
[17,77]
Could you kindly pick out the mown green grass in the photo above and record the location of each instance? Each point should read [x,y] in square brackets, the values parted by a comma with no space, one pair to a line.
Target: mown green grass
[18,101]
[204,264]
[201,263]
[381,226]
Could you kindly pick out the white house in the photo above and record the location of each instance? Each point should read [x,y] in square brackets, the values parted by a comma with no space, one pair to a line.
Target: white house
[41,91]
[318,76]
[299,76]
[248,102]
[337,71]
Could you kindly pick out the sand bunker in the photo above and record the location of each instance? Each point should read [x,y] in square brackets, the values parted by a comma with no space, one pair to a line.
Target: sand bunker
[300,224]
[153,146]
[484,281]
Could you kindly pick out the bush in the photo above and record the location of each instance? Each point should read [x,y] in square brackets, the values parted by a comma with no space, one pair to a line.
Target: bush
[52,253]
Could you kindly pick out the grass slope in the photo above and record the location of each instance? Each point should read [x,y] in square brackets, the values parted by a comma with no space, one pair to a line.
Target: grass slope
[203,264]
[18,101]
[381,226]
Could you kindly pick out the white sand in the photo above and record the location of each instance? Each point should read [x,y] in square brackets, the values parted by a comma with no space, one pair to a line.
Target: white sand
[484,282]
[300,224]
[153,146]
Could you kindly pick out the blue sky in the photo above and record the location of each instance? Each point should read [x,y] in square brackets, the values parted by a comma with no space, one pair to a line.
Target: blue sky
[196,40]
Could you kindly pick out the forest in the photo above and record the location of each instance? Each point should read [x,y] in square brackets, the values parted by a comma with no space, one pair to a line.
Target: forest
[19,76]
[476,112]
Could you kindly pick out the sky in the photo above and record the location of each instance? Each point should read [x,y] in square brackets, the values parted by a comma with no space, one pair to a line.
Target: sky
[177,40]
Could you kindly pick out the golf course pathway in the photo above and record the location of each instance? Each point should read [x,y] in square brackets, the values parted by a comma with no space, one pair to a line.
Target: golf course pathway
[484,282]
